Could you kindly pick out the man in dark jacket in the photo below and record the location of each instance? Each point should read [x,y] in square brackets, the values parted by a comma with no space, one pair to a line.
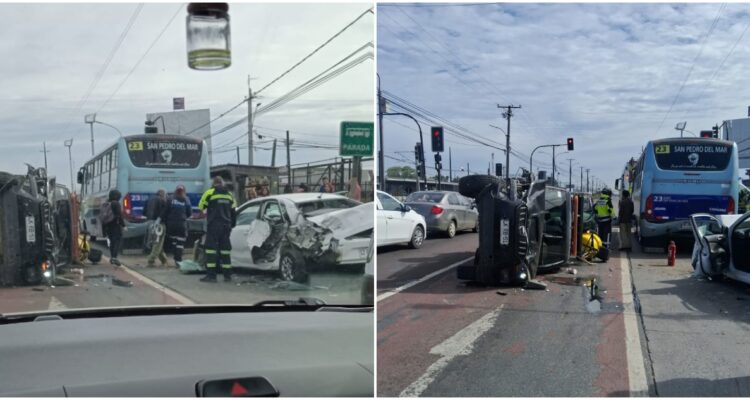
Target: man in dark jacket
[175,218]
[113,229]
[154,209]
[220,207]
[625,215]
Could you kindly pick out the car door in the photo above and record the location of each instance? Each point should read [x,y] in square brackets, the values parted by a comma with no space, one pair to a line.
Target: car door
[457,209]
[382,223]
[739,245]
[238,238]
[710,256]
[400,227]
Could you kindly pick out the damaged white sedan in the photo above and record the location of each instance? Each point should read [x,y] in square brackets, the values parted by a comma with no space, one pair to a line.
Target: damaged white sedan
[292,233]
[722,245]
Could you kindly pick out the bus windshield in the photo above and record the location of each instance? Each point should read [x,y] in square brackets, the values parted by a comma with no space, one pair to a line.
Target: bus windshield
[693,156]
[168,152]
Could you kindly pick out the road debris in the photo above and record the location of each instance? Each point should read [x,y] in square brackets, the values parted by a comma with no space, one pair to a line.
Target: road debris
[571,271]
[501,293]
[122,283]
[535,285]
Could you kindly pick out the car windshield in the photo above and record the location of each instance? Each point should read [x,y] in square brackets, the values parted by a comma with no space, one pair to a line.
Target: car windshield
[126,146]
[427,197]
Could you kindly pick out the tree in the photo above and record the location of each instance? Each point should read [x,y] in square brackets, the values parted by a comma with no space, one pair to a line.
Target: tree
[403,172]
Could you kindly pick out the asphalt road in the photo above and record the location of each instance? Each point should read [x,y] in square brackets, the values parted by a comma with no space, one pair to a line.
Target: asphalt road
[134,284]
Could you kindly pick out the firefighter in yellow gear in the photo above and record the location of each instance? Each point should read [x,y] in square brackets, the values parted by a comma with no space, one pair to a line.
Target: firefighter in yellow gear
[220,207]
[604,215]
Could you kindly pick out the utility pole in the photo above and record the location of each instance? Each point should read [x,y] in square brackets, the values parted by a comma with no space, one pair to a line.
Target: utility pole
[249,123]
[450,165]
[417,156]
[273,154]
[69,143]
[492,164]
[288,161]
[507,115]
[582,179]
[238,154]
[468,171]
[587,179]
[381,161]
[570,174]
[45,156]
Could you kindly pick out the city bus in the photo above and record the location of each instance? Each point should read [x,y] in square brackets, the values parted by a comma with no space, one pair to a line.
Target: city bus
[677,177]
[138,166]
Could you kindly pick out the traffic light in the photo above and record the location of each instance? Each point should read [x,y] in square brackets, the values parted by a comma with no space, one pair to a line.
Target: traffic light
[437,139]
[417,153]
[570,144]
[438,158]
[707,134]
[715,130]
[498,169]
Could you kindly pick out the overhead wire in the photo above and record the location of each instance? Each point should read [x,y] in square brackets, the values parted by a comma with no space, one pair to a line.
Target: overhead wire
[316,50]
[705,38]
[140,60]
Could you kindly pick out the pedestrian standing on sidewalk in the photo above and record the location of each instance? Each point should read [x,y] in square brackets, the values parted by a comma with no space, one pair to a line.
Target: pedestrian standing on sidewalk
[625,215]
[175,218]
[221,217]
[110,215]
[154,209]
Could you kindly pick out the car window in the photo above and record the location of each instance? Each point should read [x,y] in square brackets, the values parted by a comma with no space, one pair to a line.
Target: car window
[248,215]
[339,203]
[389,203]
[453,200]
[272,211]
[428,197]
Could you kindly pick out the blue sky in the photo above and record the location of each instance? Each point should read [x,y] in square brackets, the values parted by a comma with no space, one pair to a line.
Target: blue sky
[52,53]
[605,74]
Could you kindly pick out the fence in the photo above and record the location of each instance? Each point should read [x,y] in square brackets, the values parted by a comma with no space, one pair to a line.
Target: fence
[339,172]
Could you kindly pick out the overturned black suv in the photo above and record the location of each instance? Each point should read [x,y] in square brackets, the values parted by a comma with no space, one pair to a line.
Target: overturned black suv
[34,228]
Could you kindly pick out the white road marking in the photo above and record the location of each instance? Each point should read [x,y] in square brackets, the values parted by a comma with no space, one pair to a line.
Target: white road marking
[460,344]
[150,282]
[390,293]
[636,365]
[55,304]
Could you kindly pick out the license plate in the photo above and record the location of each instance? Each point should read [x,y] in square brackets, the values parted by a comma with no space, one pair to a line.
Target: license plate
[30,229]
[504,232]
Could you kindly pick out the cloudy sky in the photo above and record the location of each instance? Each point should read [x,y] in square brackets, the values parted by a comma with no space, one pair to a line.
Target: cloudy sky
[53,52]
[605,74]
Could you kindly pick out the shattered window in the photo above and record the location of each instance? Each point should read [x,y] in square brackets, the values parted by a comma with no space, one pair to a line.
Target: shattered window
[272,211]
[248,215]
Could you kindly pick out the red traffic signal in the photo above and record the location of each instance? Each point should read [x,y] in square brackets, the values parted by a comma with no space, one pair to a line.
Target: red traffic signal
[437,139]
[570,144]
[707,134]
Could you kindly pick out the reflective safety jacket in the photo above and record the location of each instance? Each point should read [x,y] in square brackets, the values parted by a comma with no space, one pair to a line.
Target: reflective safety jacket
[220,206]
[603,209]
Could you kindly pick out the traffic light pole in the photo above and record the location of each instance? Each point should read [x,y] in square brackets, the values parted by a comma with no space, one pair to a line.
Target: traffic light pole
[531,158]
[421,141]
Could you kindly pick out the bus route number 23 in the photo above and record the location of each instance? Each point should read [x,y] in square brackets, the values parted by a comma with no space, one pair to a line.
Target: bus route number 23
[135,146]
[662,149]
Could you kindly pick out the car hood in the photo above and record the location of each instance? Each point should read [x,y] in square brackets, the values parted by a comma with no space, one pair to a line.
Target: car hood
[346,222]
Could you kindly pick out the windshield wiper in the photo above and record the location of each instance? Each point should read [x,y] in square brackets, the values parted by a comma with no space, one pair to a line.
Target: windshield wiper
[302,304]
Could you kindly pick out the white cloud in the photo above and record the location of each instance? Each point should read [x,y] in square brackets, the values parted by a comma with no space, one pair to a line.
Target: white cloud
[51,53]
[605,74]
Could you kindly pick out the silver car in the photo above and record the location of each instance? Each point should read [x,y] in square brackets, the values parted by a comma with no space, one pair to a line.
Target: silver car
[446,212]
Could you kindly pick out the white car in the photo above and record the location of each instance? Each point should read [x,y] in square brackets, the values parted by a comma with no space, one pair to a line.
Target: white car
[722,245]
[397,223]
[290,233]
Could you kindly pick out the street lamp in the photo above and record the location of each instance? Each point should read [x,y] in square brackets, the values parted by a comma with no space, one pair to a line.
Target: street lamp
[69,143]
[91,120]
[680,127]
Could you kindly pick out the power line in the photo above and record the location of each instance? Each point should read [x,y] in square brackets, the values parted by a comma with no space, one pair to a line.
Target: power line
[220,116]
[695,60]
[100,73]
[151,46]
[316,50]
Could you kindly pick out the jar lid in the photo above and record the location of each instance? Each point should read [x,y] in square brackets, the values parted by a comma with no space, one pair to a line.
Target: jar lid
[208,8]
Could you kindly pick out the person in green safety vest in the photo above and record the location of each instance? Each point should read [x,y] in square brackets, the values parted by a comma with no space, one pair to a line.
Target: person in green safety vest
[604,214]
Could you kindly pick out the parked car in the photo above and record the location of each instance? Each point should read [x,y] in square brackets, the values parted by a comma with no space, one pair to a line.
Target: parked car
[444,211]
[722,245]
[398,223]
[291,233]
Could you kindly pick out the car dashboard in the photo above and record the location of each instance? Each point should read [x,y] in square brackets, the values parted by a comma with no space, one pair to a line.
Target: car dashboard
[323,353]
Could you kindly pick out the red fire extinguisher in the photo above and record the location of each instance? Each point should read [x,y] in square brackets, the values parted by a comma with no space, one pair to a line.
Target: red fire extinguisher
[671,253]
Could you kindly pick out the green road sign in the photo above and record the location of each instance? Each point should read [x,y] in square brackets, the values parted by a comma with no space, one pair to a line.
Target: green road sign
[357,139]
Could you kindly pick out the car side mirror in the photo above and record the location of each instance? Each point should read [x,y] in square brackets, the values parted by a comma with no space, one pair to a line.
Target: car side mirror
[405,208]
